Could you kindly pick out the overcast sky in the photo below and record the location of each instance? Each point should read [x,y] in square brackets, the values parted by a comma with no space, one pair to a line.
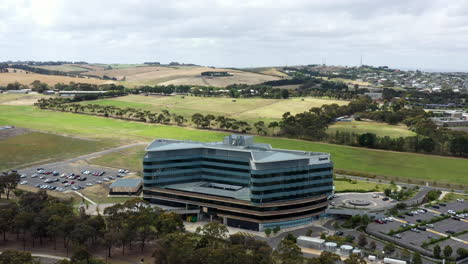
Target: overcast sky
[421,34]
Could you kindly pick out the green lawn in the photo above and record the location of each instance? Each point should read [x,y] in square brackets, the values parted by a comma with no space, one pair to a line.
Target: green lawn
[424,167]
[131,159]
[380,129]
[449,197]
[41,147]
[341,186]
[237,108]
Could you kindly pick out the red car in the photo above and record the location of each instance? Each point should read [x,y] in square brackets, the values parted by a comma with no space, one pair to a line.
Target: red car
[379,221]
[72,182]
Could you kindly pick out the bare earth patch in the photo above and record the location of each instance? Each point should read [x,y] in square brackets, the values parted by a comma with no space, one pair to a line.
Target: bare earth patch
[11,132]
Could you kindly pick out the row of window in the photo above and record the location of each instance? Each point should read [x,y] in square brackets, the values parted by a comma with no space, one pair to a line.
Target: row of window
[296,188]
[196,177]
[289,197]
[290,173]
[181,160]
[195,167]
[304,179]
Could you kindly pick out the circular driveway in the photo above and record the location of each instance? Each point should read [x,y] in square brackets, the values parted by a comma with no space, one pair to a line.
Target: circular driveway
[360,200]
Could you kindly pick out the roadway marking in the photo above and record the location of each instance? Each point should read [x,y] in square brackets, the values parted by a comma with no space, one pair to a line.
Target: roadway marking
[433,211]
[436,232]
[398,220]
[444,235]
[245,234]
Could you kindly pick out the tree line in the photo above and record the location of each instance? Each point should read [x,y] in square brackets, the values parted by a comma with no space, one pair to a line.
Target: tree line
[38,218]
[429,139]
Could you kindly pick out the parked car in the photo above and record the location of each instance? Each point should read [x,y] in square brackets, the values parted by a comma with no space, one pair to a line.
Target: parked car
[23,176]
[339,233]
[450,232]
[435,206]
[397,235]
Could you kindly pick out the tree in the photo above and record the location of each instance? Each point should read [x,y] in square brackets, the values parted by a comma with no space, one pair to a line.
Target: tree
[387,191]
[436,251]
[11,182]
[417,258]
[389,248]
[367,140]
[448,251]
[276,229]
[326,257]
[284,93]
[362,240]
[17,257]
[287,252]
[273,125]
[372,245]
[197,119]
[462,252]
[354,259]
[267,231]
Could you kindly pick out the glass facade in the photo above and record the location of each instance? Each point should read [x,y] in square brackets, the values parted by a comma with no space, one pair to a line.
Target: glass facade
[273,181]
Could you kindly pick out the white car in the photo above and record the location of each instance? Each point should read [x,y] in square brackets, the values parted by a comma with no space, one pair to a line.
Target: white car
[67,184]
[98,181]
[24,182]
[23,176]
[34,176]
[105,179]
[89,184]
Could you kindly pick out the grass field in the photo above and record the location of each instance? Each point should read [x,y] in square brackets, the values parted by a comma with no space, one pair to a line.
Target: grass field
[242,108]
[64,68]
[41,147]
[365,186]
[131,159]
[20,99]
[380,129]
[6,78]
[449,197]
[423,167]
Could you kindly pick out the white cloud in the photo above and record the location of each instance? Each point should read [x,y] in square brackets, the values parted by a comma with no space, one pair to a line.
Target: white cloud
[419,33]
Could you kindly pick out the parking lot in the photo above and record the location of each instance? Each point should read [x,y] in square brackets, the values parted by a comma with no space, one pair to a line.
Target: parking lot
[417,237]
[67,176]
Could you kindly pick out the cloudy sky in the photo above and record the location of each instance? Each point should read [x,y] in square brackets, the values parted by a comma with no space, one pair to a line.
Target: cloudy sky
[421,34]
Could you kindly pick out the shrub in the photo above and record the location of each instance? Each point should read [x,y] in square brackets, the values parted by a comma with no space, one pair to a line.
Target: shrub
[268,232]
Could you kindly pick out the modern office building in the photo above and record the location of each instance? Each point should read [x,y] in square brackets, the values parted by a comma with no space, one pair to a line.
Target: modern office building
[238,182]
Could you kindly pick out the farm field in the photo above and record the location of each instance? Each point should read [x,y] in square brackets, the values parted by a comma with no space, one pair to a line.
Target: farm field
[243,108]
[64,68]
[20,99]
[135,75]
[341,186]
[380,129]
[37,147]
[23,78]
[393,164]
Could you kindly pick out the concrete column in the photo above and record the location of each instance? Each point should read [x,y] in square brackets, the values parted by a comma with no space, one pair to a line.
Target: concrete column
[225,220]
[211,218]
